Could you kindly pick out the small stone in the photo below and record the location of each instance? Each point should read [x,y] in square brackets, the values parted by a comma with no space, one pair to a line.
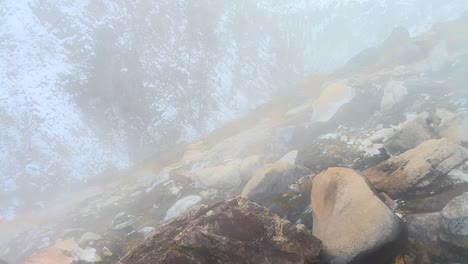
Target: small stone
[106,252]
[146,231]
[135,194]
[209,213]
[301,227]
[289,158]
[175,190]
[295,188]
[89,237]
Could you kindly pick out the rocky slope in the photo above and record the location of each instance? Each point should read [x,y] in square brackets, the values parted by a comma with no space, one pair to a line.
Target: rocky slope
[91,87]
[411,149]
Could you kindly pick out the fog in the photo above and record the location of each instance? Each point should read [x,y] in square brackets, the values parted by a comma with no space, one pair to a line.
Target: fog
[119,116]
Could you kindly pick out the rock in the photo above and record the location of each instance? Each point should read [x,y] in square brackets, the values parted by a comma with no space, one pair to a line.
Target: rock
[106,252]
[290,157]
[220,177]
[122,221]
[330,100]
[352,222]
[419,169]
[88,237]
[249,166]
[267,188]
[65,252]
[325,153]
[424,227]
[111,200]
[299,109]
[182,205]
[55,254]
[88,255]
[420,128]
[409,135]
[394,93]
[146,231]
[435,202]
[454,221]
[459,174]
[233,231]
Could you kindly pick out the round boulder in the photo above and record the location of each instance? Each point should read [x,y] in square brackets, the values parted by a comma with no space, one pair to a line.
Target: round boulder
[352,222]
[454,221]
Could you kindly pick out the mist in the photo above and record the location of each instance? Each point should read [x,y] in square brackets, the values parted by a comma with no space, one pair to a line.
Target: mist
[122,121]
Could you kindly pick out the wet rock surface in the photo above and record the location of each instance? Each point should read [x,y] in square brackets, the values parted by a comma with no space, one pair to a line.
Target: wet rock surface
[352,222]
[234,231]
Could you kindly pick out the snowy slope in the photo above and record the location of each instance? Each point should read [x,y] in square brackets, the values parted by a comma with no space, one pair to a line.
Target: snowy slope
[94,85]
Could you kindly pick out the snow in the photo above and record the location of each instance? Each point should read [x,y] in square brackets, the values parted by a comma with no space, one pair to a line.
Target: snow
[8,213]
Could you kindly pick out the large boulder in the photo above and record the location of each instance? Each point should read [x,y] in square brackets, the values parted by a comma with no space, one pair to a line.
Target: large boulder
[227,176]
[333,96]
[352,222]
[268,187]
[220,177]
[419,170]
[454,221]
[233,231]
[420,128]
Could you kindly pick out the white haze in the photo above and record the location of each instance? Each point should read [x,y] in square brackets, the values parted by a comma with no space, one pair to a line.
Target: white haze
[92,87]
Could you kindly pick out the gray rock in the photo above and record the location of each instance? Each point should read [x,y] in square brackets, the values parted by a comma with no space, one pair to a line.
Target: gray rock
[454,221]
[422,127]
[424,227]
[220,177]
[266,188]
[352,222]
[88,237]
[123,221]
[435,202]
[181,205]
[146,231]
[394,93]
[409,135]
[290,157]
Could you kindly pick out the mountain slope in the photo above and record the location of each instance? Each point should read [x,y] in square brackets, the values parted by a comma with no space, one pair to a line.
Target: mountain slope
[89,87]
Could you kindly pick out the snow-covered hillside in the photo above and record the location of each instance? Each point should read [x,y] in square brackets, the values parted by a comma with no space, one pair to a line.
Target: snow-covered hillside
[95,85]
